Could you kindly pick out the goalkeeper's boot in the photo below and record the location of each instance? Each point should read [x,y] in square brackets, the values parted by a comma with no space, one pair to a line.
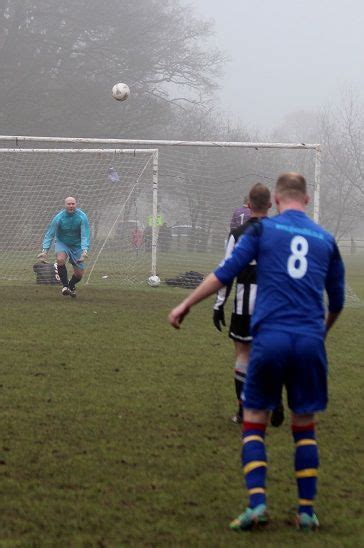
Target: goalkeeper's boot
[305,522]
[72,292]
[277,416]
[250,519]
[65,291]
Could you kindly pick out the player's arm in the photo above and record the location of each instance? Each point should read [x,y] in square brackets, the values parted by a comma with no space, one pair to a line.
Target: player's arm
[244,252]
[335,287]
[85,237]
[331,319]
[85,233]
[218,316]
[206,288]
[49,236]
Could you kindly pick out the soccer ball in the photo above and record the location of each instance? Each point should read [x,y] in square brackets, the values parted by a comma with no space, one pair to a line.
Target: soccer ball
[120,92]
[154,281]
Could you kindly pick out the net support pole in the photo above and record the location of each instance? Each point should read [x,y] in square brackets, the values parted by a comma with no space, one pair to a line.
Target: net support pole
[316,194]
[155,213]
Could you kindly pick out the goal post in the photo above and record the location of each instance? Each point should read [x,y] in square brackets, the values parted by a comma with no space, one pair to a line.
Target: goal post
[184,196]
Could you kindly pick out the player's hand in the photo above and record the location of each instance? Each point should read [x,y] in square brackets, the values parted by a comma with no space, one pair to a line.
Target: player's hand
[42,257]
[83,257]
[177,315]
[219,318]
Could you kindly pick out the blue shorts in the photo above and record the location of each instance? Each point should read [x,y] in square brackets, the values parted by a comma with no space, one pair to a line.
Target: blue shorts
[286,359]
[73,252]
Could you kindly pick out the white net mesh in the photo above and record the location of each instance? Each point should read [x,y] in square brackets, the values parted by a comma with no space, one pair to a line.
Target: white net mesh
[114,188]
[198,189]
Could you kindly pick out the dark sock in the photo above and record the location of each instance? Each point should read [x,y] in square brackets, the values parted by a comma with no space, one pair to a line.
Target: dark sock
[62,272]
[239,381]
[73,281]
[239,385]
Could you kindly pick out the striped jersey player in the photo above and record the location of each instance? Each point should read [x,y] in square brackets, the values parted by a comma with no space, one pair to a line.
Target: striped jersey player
[259,202]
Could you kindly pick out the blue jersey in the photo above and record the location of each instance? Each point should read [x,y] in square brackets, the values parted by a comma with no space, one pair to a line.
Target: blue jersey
[297,260]
[72,229]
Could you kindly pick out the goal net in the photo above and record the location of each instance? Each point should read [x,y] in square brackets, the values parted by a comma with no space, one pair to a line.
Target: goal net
[155,207]
[115,189]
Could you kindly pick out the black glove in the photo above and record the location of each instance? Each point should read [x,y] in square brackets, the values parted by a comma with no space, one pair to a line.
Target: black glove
[219,318]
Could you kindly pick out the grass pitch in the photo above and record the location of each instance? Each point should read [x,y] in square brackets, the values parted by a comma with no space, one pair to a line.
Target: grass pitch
[115,429]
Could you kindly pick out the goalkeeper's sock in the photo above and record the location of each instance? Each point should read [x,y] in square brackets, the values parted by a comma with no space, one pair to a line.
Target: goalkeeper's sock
[73,281]
[306,465]
[62,272]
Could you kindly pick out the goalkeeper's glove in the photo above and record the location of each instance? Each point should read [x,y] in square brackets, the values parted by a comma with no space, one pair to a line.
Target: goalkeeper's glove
[83,256]
[42,256]
[219,318]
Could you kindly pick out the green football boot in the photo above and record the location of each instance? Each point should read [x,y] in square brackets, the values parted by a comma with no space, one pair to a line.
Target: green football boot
[250,519]
[305,522]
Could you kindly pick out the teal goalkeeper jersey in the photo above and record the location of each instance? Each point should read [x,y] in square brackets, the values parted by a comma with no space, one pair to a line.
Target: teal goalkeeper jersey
[72,229]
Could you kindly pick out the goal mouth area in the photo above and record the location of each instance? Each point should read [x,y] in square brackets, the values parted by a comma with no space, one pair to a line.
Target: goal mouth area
[113,186]
[170,217]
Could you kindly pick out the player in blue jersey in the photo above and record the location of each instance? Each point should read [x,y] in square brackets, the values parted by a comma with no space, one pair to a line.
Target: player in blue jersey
[297,261]
[71,231]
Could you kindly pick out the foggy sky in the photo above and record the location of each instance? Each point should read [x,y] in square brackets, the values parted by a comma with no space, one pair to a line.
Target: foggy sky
[286,55]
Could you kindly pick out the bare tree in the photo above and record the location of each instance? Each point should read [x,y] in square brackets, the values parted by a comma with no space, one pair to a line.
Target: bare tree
[340,130]
[59,60]
[342,133]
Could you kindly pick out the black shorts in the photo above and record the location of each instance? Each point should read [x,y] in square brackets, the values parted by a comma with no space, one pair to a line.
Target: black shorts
[240,328]
[242,312]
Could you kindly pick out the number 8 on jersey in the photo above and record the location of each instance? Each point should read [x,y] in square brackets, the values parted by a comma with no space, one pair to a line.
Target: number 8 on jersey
[297,262]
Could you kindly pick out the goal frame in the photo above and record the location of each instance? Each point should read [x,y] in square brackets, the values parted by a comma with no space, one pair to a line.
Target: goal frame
[84,141]
[218,144]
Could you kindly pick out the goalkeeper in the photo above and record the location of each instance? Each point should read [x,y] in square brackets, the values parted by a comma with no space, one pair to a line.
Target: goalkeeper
[71,230]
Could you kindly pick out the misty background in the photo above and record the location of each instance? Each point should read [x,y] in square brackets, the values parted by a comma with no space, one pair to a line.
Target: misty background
[288,71]
[286,55]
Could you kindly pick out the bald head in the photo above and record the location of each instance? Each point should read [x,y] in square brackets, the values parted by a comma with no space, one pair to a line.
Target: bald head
[70,204]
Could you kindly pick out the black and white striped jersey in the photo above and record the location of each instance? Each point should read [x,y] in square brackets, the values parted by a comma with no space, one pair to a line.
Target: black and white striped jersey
[247,277]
